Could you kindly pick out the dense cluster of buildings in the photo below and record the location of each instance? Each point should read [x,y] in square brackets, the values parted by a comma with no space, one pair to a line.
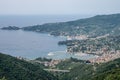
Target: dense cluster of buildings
[106,57]
[78,37]
[52,63]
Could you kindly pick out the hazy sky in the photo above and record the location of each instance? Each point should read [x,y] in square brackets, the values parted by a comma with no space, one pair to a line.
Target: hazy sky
[38,7]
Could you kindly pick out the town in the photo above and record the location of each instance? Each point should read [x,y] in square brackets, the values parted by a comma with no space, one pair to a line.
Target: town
[106,47]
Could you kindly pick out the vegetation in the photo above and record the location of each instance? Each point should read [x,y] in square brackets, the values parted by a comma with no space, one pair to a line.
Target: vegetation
[3,78]
[78,70]
[109,75]
[100,25]
[15,69]
[83,71]
[10,28]
[108,71]
[94,26]
[43,59]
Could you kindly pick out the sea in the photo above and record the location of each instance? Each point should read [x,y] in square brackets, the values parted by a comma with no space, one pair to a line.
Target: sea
[32,45]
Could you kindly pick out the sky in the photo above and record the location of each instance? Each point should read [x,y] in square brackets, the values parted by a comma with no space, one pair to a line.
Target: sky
[58,7]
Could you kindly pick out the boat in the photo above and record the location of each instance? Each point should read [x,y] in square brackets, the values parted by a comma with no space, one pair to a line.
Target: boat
[50,54]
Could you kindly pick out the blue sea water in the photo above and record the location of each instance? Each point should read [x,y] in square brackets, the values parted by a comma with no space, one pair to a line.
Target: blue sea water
[32,44]
[28,44]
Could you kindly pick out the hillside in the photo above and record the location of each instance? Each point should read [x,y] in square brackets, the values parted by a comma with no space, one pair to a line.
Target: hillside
[14,69]
[108,71]
[83,71]
[94,26]
[10,28]
[93,45]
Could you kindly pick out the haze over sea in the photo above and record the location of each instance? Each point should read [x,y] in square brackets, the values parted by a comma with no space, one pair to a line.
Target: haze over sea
[29,20]
[31,44]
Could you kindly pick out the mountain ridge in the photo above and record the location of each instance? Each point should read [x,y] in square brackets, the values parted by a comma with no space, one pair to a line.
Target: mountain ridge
[93,26]
[98,25]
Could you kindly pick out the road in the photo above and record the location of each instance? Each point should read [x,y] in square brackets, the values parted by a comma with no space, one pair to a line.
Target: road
[57,70]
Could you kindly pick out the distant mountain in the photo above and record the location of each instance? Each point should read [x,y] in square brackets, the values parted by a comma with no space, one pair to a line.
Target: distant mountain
[14,69]
[94,26]
[10,28]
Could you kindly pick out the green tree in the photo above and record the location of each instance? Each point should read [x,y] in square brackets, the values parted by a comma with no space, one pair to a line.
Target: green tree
[3,78]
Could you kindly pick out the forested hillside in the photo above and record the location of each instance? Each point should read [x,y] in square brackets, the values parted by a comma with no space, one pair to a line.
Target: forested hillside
[94,26]
[80,70]
[14,69]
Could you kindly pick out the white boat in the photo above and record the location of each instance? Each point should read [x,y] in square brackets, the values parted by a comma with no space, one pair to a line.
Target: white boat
[50,54]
